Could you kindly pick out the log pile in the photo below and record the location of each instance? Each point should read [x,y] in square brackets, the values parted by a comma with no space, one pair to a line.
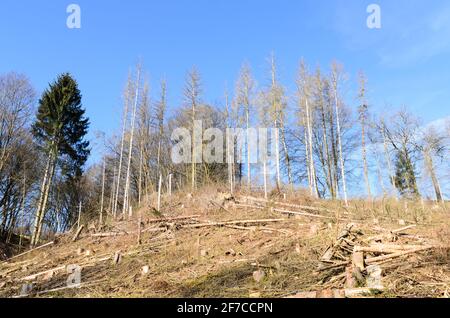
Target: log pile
[356,263]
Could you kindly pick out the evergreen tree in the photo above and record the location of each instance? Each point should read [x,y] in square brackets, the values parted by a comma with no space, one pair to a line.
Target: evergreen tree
[59,131]
[405,178]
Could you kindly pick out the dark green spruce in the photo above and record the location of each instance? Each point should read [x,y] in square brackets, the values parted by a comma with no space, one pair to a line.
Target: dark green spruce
[59,131]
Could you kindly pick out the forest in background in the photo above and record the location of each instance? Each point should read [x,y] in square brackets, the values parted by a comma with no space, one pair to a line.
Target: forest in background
[333,148]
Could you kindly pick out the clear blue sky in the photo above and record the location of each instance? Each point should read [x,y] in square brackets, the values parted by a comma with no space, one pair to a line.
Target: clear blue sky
[407,61]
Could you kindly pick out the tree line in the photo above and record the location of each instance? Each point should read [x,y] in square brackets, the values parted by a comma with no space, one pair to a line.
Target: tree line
[323,143]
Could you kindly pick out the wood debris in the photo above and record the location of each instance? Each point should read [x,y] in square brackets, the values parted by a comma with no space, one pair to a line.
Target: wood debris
[356,261]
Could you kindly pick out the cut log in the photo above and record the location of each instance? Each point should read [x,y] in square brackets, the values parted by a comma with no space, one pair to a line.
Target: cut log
[110,234]
[209,224]
[250,206]
[349,279]
[403,229]
[304,207]
[389,234]
[332,266]
[386,248]
[374,260]
[358,259]
[155,229]
[172,219]
[34,276]
[309,215]
[32,250]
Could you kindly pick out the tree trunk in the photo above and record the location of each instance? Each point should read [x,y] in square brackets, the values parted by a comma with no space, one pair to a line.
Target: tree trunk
[122,146]
[126,198]
[103,192]
[277,156]
[364,157]
[312,167]
[286,156]
[48,177]
[434,179]
[341,155]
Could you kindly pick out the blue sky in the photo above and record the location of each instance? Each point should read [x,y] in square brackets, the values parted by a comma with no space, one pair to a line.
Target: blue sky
[406,61]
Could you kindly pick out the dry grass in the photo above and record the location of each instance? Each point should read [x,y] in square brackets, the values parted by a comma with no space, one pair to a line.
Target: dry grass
[220,261]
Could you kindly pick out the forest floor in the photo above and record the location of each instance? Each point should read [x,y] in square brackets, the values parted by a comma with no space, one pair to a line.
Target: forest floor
[210,244]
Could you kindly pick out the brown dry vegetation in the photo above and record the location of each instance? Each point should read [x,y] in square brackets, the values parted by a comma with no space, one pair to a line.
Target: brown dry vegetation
[220,261]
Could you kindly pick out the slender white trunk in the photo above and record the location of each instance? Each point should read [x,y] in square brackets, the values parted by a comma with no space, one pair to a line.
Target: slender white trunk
[380,176]
[159,192]
[248,151]
[79,215]
[22,209]
[140,175]
[341,155]
[434,179]
[130,150]
[230,164]
[41,199]
[265,178]
[389,164]
[113,189]
[169,190]
[364,157]
[122,145]
[312,167]
[277,156]
[307,162]
[103,192]
[40,219]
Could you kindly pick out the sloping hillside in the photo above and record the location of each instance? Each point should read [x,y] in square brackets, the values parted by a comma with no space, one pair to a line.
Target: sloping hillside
[211,244]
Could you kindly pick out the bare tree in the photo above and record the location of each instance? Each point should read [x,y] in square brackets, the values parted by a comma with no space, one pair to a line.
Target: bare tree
[304,95]
[126,198]
[244,94]
[192,92]
[336,78]
[122,144]
[402,134]
[433,145]
[160,117]
[363,117]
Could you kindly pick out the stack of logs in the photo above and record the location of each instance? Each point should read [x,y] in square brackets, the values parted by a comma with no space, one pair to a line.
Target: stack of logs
[356,262]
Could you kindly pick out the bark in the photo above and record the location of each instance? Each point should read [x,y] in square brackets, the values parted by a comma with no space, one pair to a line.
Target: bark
[126,199]
[339,133]
[122,145]
[45,190]
[431,170]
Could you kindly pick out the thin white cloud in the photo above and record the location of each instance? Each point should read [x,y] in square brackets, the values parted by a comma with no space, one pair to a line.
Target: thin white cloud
[422,39]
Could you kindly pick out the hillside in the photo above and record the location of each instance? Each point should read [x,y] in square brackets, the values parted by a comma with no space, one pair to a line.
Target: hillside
[210,244]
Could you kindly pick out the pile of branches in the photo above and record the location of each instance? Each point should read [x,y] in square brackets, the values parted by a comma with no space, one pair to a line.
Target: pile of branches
[357,266]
